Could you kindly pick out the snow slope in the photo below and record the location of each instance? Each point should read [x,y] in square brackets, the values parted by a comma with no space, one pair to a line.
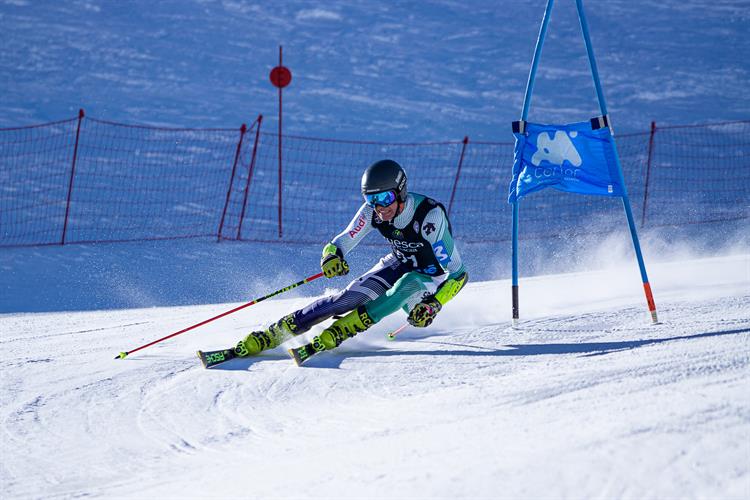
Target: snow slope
[371,70]
[586,400]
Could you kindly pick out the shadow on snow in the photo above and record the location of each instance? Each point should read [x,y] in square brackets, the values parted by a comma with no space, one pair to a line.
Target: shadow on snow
[586,349]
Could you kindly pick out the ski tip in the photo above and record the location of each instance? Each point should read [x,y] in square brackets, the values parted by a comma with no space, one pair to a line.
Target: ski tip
[291,355]
[295,356]
[122,355]
[200,356]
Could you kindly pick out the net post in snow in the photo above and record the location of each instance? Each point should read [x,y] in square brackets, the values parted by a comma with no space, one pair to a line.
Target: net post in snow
[243,130]
[576,158]
[250,171]
[81,115]
[280,77]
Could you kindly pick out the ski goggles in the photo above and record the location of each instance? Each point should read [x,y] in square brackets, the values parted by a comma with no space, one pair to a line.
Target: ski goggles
[383,199]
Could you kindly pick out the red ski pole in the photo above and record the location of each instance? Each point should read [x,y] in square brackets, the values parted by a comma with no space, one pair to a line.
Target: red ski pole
[395,332]
[124,354]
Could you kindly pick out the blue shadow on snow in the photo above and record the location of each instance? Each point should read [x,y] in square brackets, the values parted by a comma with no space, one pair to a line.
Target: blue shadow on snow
[334,360]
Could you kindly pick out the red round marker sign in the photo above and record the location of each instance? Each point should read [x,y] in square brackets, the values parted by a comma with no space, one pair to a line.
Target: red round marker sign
[281,76]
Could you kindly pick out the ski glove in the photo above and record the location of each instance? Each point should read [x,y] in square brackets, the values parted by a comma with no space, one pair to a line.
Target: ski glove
[424,312]
[332,262]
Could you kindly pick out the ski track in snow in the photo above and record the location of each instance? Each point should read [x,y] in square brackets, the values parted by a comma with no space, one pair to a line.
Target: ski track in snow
[592,404]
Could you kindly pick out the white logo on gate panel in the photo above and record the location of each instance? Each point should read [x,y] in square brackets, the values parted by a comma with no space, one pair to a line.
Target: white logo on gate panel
[556,150]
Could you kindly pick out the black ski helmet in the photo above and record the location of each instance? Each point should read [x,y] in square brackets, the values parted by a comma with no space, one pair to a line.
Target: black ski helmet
[385,175]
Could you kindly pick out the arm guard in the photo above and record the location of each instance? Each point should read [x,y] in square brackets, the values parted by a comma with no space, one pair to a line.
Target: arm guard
[450,288]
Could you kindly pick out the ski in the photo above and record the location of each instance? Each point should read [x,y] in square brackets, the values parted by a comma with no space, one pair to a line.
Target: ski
[213,358]
[301,354]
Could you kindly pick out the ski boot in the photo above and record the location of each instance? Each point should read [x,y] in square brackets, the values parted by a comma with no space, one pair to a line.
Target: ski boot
[343,328]
[269,338]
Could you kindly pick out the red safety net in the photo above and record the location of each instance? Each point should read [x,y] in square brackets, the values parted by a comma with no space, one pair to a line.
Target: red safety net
[90,180]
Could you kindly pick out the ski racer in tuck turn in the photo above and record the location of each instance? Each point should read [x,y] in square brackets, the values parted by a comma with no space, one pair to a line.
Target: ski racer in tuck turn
[421,274]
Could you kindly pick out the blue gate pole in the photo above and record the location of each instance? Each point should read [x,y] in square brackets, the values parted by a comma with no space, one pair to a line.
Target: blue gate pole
[524,116]
[625,199]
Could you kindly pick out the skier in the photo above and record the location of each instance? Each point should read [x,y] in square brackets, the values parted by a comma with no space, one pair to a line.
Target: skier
[421,274]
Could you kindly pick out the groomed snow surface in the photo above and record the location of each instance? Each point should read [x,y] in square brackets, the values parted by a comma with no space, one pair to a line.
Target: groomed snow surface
[587,399]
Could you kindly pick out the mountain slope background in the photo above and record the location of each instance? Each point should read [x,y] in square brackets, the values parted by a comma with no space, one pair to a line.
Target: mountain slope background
[399,71]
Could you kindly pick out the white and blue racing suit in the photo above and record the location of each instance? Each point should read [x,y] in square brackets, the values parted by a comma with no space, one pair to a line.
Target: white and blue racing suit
[423,258]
